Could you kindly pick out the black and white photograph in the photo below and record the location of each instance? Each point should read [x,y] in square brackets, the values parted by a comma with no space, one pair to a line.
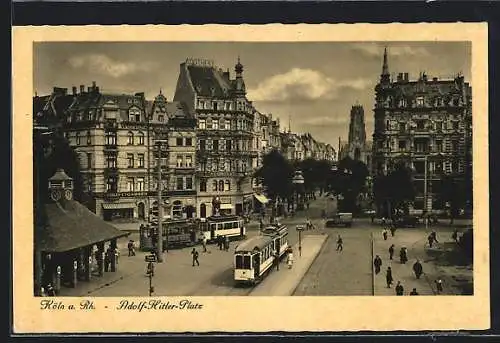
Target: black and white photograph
[196,169]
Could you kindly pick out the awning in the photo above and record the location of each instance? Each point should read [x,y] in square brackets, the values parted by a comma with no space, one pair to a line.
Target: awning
[117,206]
[262,198]
[226,206]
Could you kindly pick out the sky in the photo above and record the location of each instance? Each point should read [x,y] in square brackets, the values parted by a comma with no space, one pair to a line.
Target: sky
[311,85]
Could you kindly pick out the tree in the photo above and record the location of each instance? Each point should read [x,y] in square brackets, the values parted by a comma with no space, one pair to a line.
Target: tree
[347,182]
[394,191]
[276,174]
[453,191]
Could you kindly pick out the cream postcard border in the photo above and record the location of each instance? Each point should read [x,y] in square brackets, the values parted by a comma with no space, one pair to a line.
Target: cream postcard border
[240,314]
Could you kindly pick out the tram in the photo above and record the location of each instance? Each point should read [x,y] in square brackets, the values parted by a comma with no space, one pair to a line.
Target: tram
[230,226]
[254,257]
[175,232]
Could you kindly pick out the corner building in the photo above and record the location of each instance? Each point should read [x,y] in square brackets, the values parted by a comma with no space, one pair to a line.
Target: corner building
[419,121]
[225,152]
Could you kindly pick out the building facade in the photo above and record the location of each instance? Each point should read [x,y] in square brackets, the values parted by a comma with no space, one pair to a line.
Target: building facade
[422,123]
[225,136]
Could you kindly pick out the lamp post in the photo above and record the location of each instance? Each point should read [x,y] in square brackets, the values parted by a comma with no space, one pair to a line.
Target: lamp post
[299,229]
[159,144]
[298,181]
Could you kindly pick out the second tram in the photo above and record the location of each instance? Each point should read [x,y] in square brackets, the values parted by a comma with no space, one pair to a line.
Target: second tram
[230,226]
[255,256]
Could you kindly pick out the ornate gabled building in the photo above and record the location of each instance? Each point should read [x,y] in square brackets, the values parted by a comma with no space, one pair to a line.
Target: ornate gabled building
[225,117]
[422,123]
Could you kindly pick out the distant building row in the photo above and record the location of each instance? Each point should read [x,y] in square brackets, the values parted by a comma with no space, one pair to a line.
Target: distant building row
[208,141]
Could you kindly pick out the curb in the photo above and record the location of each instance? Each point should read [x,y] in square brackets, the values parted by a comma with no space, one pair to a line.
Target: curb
[310,265]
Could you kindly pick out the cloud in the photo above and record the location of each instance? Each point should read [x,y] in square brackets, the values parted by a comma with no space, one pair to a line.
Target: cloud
[375,49]
[325,121]
[100,63]
[302,84]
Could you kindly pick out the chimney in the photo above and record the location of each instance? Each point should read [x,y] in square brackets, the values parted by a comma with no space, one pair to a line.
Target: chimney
[82,89]
[406,77]
[434,79]
[400,77]
[93,85]
[74,90]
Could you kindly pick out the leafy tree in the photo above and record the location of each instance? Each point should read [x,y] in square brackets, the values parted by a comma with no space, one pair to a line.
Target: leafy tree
[276,175]
[453,190]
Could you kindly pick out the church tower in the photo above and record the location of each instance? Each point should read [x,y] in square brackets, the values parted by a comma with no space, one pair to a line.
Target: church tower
[357,134]
[239,84]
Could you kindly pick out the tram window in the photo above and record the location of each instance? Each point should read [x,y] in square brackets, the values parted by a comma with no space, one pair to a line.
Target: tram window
[239,262]
[235,225]
[212,226]
[227,226]
[246,262]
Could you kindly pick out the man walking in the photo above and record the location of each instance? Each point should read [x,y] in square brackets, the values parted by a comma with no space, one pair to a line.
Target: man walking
[432,238]
[385,233]
[388,277]
[399,288]
[454,236]
[393,229]
[195,257]
[377,262]
[417,269]
[340,243]
[131,249]
[439,286]
[391,251]
[414,292]
[204,242]
[403,257]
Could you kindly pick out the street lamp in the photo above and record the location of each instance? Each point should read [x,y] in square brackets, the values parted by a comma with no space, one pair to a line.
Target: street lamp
[159,143]
[299,229]
[297,181]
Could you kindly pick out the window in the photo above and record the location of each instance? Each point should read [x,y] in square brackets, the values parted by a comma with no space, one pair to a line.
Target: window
[227,185]
[179,184]
[421,145]
[222,144]
[177,209]
[189,161]
[227,106]
[215,124]
[189,141]
[140,184]
[215,145]
[89,160]
[178,141]
[89,138]
[111,161]
[439,125]
[202,145]
[180,161]
[111,138]
[111,184]
[214,105]
[200,104]
[202,124]
[454,146]
[419,167]
[77,138]
[438,167]
[227,124]
[130,138]
[455,125]
[402,127]
[420,101]
[140,160]
[228,145]
[130,159]
[221,185]
[420,124]
[439,146]
[161,118]
[214,186]
[209,124]
[189,183]
[402,102]
[454,167]
[387,125]
[130,184]
[402,145]
[222,124]
[203,185]
[140,137]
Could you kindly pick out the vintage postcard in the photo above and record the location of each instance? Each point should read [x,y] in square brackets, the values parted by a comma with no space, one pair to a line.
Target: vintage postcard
[250,178]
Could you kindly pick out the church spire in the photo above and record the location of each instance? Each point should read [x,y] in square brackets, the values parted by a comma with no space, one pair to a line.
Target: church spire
[238,68]
[385,66]
[289,123]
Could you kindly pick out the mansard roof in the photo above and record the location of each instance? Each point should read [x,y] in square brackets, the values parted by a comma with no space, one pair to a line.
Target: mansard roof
[209,81]
[432,88]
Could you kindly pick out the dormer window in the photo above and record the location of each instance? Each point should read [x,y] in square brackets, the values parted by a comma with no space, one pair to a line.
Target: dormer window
[420,101]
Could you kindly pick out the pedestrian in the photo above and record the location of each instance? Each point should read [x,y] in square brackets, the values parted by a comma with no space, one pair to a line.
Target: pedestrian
[414,292]
[403,258]
[385,233]
[107,260]
[150,269]
[340,243]
[388,277]
[226,243]
[393,229]
[417,269]
[377,262]
[307,204]
[276,260]
[399,288]
[454,236]
[383,221]
[289,259]
[439,286]
[204,242]
[308,224]
[391,251]
[131,248]
[195,257]
[432,238]
[219,241]
[117,254]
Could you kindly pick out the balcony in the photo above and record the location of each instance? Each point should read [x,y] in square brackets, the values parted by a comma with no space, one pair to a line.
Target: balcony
[227,153]
[111,171]
[110,147]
